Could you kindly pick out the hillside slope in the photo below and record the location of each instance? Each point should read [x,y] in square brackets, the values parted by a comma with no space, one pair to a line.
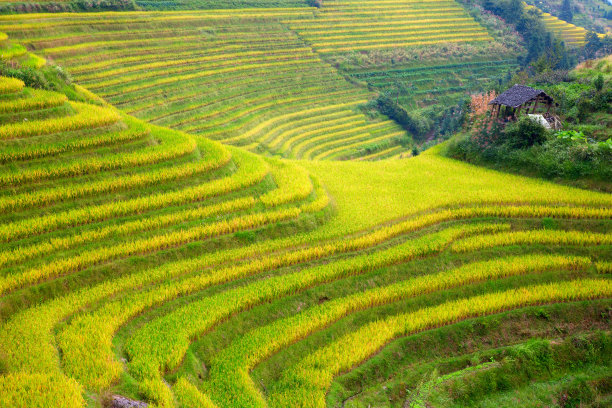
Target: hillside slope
[113,228]
[255,78]
[145,262]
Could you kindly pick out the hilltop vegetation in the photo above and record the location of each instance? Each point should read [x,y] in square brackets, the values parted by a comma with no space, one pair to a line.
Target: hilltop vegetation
[581,151]
[55,6]
[195,212]
[594,15]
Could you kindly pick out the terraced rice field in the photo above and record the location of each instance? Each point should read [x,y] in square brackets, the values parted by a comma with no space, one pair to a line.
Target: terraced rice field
[149,260]
[15,52]
[241,78]
[168,266]
[356,25]
[248,77]
[215,4]
[572,35]
[420,86]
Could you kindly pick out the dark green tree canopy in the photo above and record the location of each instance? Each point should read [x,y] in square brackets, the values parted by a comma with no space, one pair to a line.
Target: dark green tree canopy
[566,11]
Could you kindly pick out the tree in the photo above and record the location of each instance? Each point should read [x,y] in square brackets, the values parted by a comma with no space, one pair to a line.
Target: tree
[593,44]
[598,83]
[566,11]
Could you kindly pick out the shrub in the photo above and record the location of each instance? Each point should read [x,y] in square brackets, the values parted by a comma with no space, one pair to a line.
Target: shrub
[525,133]
[598,83]
[31,77]
[418,125]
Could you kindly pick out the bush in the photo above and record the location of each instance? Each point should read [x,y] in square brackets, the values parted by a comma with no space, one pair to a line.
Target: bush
[598,83]
[415,124]
[32,78]
[65,6]
[50,78]
[525,133]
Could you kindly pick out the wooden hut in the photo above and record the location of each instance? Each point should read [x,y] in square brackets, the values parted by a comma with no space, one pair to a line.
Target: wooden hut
[521,98]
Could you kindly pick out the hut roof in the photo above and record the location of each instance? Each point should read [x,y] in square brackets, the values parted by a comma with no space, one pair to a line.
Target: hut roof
[518,95]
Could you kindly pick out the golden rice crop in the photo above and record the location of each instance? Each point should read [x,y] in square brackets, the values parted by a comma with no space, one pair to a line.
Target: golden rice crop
[170,53]
[12,51]
[144,245]
[382,153]
[37,99]
[287,117]
[229,378]
[152,223]
[382,27]
[351,148]
[358,25]
[331,117]
[326,48]
[73,332]
[225,61]
[249,172]
[546,237]
[238,117]
[88,116]
[293,184]
[306,383]
[406,34]
[39,150]
[189,396]
[344,143]
[34,61]
[10,85]
[25,390]
[206,69]
[96,368]
[303,139]
[173,144]
[448,37]
[180,78]
[216,156]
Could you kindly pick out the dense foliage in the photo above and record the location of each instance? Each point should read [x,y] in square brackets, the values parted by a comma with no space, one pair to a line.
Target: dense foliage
[594,15]
[582,150]
[541,46]
[66,6]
